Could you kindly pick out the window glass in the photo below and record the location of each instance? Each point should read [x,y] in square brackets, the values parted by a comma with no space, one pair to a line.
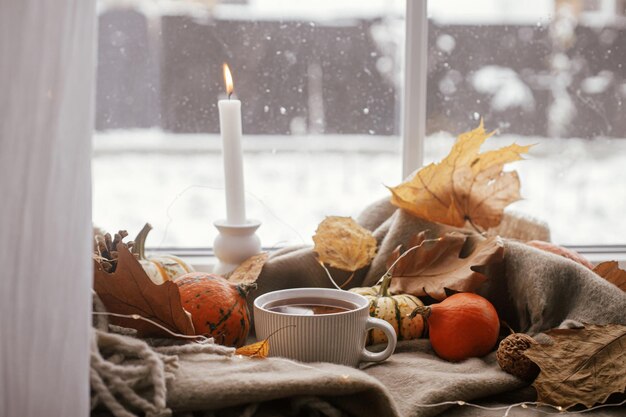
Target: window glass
[320,85]
[548,73]
[318,81]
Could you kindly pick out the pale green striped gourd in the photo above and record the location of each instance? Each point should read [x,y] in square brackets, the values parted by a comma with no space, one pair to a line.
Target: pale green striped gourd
[394,309]
[162,267]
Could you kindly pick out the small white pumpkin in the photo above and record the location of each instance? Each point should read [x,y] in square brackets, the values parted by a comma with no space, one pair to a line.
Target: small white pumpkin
[394,309]
[159,268]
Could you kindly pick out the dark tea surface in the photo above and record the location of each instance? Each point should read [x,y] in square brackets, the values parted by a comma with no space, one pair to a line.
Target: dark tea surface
[310,306]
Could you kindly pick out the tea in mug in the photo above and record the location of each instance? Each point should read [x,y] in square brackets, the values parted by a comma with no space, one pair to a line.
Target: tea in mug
[310,306]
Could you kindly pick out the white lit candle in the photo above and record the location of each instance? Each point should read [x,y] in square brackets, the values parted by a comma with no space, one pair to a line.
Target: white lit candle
[230,128]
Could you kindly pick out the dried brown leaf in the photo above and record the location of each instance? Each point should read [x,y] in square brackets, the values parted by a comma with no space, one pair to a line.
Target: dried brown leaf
[342,243]
[466,186]
[613,273]
[436,267]
[581,366]
[129,291]
[255,350]
[248,272]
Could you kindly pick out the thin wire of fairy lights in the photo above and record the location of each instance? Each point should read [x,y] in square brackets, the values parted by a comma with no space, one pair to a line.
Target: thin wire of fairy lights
[198,338]
[555,409]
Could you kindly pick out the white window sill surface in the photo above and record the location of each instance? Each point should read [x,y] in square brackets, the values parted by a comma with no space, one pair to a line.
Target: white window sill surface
[205,260]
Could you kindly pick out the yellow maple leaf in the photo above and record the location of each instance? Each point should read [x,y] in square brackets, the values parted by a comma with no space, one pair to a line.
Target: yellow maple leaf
[344,244]
[260,349]
[466,186]
[255,350]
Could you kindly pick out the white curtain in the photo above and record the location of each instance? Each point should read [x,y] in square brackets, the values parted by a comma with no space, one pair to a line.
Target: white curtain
[46,94]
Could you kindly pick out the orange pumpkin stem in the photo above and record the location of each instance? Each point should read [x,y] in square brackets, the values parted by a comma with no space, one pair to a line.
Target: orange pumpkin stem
[244,289]
[139,248]
[423,311]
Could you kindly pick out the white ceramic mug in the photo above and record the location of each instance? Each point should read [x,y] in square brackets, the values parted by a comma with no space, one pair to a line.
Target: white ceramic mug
[337,337]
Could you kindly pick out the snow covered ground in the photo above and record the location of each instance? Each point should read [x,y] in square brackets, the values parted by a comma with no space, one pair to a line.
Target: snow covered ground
[175,182]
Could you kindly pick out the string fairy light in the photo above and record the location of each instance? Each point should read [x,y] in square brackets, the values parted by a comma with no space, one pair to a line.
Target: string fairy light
[330,277]
[198,338]
[540,407]
[266,206]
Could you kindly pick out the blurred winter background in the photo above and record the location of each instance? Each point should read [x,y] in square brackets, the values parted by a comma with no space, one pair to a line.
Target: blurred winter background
[320,83]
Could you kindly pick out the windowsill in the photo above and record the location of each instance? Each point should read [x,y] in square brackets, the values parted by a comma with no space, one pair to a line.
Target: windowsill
[598,254]
[204,260]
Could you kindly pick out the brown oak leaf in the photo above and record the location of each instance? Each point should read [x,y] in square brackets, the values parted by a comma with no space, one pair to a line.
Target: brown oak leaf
[581,366]
[453,262]
[129,291]
[613,273]
[466,186]
[344,244]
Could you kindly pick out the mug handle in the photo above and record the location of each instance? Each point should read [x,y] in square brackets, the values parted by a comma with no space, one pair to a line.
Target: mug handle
[374,323]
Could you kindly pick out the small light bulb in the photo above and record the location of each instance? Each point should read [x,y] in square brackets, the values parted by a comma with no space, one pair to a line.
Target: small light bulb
[460,402]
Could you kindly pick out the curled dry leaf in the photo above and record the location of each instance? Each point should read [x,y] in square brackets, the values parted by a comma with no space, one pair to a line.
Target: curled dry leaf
[466,186]
[260,349]
[453,263]
[255,350]
[129,291]
[342,243]
[613,273]
[581,366]
[248,272]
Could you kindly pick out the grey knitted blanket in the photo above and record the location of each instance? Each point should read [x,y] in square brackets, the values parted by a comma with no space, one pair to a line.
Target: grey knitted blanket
[533,291]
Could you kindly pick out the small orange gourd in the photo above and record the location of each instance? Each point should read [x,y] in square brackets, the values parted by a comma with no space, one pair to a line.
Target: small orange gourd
[218,307]
[464,325]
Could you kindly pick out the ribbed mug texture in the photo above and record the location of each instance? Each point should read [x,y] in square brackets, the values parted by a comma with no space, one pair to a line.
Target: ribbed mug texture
[337,338]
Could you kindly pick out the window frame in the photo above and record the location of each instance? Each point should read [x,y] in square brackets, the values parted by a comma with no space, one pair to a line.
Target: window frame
[415,76]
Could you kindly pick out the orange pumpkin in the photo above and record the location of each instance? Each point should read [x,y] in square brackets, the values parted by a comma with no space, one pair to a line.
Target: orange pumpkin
[218,308]
[462,326]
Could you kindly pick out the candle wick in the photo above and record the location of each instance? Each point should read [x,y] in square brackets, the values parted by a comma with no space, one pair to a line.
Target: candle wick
[230,94]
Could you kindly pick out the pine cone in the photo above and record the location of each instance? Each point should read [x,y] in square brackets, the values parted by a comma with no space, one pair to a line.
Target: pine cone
[105,252]
[511,358]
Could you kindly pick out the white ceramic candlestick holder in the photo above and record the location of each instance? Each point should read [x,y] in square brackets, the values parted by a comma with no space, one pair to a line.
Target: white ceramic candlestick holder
[234,244]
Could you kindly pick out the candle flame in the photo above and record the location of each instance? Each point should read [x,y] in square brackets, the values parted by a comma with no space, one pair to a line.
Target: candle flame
[228,80]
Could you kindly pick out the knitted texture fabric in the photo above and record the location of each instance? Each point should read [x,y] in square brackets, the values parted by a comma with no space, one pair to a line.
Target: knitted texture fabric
[532,290]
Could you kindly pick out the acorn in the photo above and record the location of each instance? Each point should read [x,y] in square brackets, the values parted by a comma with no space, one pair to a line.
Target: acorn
[511,358]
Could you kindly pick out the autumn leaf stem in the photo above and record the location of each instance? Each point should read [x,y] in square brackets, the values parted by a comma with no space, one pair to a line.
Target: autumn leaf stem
[386,278]
[278,330]
[476,228]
